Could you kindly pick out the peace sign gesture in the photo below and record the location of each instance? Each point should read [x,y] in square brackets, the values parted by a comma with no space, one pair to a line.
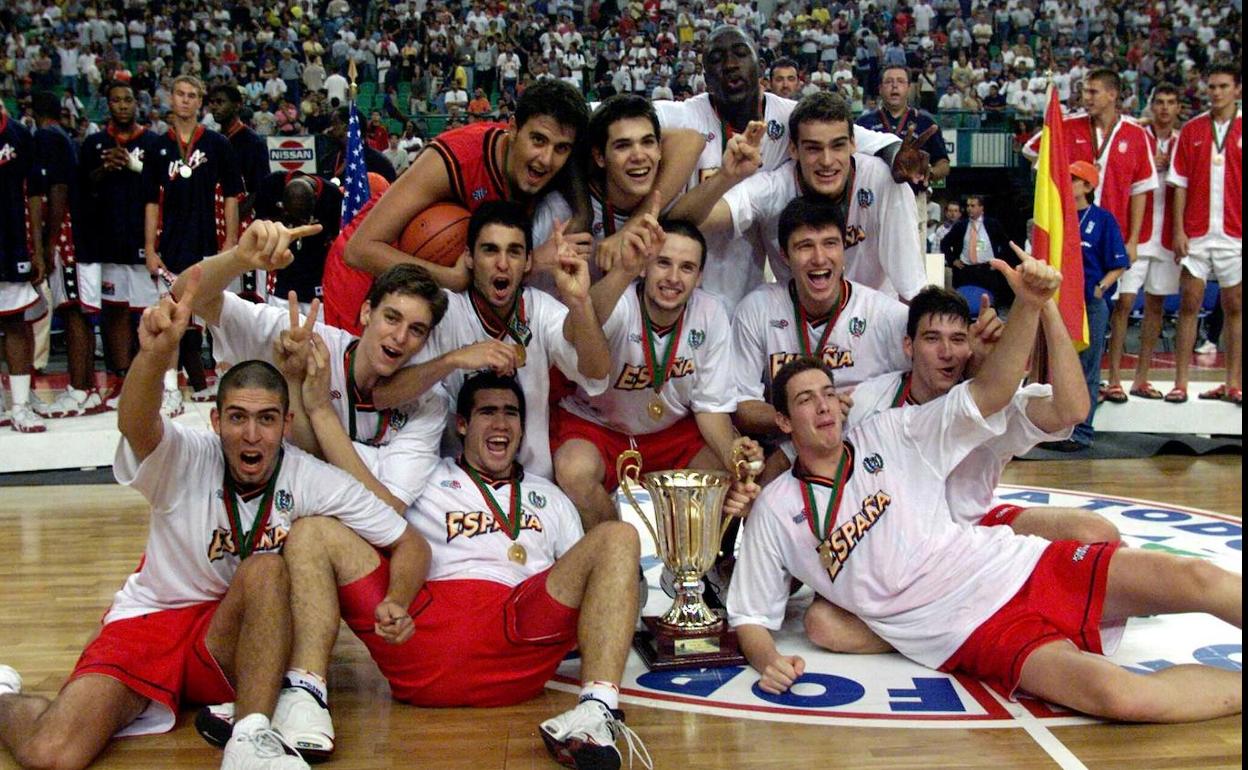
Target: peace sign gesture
[163,324]
[290,349]
[911,163]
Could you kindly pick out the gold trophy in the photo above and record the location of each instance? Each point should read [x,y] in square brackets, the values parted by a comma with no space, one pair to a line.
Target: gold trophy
[689,525]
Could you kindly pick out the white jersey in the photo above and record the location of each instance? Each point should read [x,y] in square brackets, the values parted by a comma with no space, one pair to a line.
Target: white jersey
[190,555]
[543,316]
[468,544]
[880,251]
[399,446]
[867,330]
[921,582]
[1157,199]
[555,208]
[969,490]
[700,380]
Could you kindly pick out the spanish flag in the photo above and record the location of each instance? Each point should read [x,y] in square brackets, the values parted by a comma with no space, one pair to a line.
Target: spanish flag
[1055,237]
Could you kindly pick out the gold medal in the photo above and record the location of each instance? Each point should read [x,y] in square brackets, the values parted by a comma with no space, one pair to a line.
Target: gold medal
[1217,159]
[521,354]
[825,555]
[517,553]
[656,409]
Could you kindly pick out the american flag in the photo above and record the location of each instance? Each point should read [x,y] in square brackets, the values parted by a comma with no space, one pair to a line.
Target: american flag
[356,180]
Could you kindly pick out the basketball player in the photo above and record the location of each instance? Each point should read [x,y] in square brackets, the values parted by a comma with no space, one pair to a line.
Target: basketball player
[181,180]
[295,199]
[877,211]
[671,395]
[252,155]
[22,268]
[111,216]
[1017,611]
[206,617]
[502,324]
[1208,226]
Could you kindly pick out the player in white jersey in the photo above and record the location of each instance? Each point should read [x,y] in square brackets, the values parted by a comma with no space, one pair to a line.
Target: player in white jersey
[501,324]
[863,521]
[206,616]
[878,250]
[671,395]
[398,445]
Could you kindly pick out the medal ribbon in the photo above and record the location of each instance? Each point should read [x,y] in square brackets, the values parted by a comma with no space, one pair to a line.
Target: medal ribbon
[517,324]
[510,524]
[821,529]
[803,322]
[185,150]
[657,378]
[1098,149]
[1219,146]
[245,541]
[902,396]
[353,402]
[900,126]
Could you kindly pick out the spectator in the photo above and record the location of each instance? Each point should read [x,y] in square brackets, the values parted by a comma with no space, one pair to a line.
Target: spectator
[951,100]
[969,247]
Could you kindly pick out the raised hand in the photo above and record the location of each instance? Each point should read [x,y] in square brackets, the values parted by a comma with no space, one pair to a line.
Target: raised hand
[743,153]
[495,355]
[1033,282]
[315,388]
[985,332]
[571,270]
[911,163]
[290,349]
[163,324]
[265,245]
[641,232]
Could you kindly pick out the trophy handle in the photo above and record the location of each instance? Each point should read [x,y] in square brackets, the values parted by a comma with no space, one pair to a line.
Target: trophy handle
[743,473]
[630,460]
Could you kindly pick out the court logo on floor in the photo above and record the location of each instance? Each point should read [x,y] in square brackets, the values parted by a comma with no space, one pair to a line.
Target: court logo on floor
[888,690]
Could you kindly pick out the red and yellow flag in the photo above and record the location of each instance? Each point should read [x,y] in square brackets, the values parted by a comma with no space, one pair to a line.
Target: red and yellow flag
[1055,238]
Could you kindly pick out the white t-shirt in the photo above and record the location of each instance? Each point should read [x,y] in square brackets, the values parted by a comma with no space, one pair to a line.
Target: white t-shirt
[190,556]
[544,316]
[880,251]
[467,542]
[700,380]
[922,582]
[403,455]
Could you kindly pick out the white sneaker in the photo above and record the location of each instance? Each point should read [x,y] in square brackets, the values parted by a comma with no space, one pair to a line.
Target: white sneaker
[171,404]
[72,403]
[24,420]
[260,750]
[10,681]
[205,395]
[1207,347]
[304,721]
[585,738]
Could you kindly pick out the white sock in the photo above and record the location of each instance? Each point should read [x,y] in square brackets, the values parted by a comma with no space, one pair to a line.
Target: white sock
[171,379]
[20,385]
[606,693]
[251,724]
[313,683]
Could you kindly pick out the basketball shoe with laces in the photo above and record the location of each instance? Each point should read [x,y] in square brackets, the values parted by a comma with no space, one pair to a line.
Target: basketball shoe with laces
[584,738]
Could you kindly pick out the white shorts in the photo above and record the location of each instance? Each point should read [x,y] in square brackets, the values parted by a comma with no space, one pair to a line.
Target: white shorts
[251,286]
[128,285]
[1225,265]
[77,284]
[20,298]
[1157,275]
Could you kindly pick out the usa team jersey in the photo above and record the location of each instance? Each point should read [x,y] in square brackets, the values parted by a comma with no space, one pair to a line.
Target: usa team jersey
[879,250]
[1156,233]
[469,154]
[700,381]
[190,555]
[969,490]
[57,164]
[921,582]
[399,446]
[1124,160]
[1213,217]
[305,274]
[111,214]
[867,330]
[17,156]
[252,154]
[543,314]
[188,225]
[468,544]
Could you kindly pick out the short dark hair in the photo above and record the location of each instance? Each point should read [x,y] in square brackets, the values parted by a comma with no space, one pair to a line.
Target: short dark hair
[820,107]
[45,105]
[1223,68]
[228,90]
[253,374]
[506,213]
[486,380]
[558,100]
[689,230]
[783,62]
[807,211]
[975,196]
[1166,88]
[901,67]
[780,384]
[108,89]
[1107,77]
[615,108]
[936,301]
[409,280]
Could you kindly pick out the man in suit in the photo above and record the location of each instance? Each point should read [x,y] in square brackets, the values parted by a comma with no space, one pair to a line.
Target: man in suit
[971,245]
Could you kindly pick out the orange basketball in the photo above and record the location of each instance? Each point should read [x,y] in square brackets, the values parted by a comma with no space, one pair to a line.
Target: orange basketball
[439,234]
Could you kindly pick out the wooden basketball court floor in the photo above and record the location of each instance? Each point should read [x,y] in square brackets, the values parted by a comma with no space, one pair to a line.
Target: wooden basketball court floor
[65,550]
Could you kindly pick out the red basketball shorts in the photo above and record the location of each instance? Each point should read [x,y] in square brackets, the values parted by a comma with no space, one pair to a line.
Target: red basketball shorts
[1062,599]
[672,447]
[476,642]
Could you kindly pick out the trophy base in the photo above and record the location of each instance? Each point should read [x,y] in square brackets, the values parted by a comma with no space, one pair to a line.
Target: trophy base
[663,649]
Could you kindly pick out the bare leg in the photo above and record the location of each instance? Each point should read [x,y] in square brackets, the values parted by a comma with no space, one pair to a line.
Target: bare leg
[835,629]
[70,731]
[118,337]
[706,460]
[191,359]
[1060,673]
[1232,308]
[1150,331]
[1118,335]
[1151,583]
[80,340]
[1192,291]
[1055,523]
[249,635]
[19,345]
[580,473]
[599,575]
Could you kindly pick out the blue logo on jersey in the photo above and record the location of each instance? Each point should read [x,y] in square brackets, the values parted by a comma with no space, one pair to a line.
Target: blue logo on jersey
[398,420]
[696,338]
[536,500]
[865,198]
[775,129]
[451,484]
[873,463]
[285,500]
[857,326]
[478,194]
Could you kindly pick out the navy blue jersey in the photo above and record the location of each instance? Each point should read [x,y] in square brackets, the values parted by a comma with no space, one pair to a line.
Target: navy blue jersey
[253,156]
[17,154]
[110,215]
[304,274]
[188,226]
[880,120]
[56,161]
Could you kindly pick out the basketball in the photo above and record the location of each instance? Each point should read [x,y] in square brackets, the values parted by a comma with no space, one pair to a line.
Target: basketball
[438,234]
